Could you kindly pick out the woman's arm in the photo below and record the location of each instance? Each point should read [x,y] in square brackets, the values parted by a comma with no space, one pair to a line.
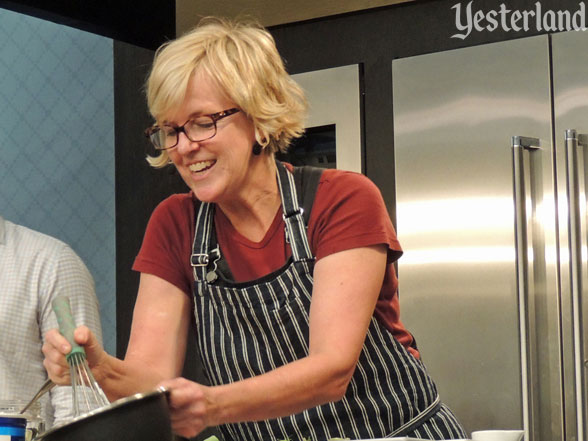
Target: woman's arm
[346,288]
[156,348]
[160,327]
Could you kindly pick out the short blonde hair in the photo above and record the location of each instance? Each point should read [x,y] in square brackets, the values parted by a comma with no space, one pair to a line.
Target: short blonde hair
[242,58]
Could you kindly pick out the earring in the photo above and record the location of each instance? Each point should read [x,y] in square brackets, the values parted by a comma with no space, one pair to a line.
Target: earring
[257,148]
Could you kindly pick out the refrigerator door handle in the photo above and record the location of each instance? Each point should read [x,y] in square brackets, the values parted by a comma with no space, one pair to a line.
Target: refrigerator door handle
[573,142]
[519,145]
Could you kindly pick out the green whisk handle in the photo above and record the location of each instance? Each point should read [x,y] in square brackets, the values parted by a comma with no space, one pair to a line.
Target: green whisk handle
[62,310]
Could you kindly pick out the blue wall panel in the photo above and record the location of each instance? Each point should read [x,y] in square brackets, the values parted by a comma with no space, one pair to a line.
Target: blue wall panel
[57,143]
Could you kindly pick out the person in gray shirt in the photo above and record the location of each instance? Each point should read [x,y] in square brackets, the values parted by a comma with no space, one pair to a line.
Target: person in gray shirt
[34,269]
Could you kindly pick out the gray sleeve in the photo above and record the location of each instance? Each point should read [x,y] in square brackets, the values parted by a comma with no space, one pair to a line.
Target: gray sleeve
[69,276]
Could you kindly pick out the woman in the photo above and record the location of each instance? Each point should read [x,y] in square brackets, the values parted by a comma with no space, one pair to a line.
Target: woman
[298,327]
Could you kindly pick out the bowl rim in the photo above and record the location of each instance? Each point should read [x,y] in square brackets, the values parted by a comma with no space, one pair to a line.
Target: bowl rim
[121,402]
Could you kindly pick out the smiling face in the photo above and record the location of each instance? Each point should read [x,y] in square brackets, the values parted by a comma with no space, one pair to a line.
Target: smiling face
[217,169]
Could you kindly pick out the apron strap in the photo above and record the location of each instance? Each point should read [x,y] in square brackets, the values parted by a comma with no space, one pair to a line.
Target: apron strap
[307,179]
[293,215]
[201,257]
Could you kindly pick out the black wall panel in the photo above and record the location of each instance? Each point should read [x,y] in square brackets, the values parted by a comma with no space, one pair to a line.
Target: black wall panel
[147,23]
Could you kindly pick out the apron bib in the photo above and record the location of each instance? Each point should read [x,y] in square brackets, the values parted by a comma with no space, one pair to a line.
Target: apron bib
[247,329]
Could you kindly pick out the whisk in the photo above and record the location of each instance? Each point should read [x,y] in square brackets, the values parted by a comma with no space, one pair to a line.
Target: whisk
[86,393]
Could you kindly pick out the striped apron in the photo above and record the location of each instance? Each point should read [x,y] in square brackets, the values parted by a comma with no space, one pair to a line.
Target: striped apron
[247,329]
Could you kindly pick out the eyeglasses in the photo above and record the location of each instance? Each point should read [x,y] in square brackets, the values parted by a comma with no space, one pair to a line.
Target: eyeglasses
[198,129]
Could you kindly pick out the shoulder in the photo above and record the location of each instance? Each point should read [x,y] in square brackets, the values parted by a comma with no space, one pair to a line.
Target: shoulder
[31,252]
[177,209]
[346,185]
[28,241]
[349,212]
[177,202]
[165,251]
[338,178]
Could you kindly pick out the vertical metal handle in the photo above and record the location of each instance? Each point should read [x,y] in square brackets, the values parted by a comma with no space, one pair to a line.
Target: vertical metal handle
[572,142]
[519,145]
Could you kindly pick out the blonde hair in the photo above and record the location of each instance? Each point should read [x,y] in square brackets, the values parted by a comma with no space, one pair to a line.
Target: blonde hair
[242,58]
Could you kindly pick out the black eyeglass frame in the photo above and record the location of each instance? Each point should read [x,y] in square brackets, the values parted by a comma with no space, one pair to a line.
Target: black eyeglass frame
[215,117]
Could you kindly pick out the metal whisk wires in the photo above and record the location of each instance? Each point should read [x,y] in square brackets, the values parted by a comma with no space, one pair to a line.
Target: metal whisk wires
[85,388]
[86,393]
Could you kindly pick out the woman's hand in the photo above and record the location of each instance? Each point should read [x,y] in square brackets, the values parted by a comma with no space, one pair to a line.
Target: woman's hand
[56,347]
[156,347]
[188,406]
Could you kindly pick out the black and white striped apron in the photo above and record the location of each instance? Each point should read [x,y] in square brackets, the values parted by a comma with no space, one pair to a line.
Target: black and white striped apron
[246,329]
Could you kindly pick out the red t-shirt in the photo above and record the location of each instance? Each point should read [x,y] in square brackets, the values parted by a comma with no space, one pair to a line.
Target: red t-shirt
[348,212]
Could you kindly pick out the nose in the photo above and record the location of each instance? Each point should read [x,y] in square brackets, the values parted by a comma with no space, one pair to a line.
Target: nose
[185,145]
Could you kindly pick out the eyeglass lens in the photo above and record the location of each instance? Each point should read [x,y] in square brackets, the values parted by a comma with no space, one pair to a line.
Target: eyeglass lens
[198,129]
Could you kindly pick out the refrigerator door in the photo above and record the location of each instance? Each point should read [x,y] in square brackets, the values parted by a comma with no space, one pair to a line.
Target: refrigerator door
[570,85]
[455,114]
[334,97]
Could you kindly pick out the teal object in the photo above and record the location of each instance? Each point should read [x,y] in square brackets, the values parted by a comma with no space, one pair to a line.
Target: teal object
[67,326]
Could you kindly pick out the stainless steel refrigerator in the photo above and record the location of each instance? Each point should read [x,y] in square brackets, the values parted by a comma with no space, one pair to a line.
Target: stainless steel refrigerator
[491,174]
